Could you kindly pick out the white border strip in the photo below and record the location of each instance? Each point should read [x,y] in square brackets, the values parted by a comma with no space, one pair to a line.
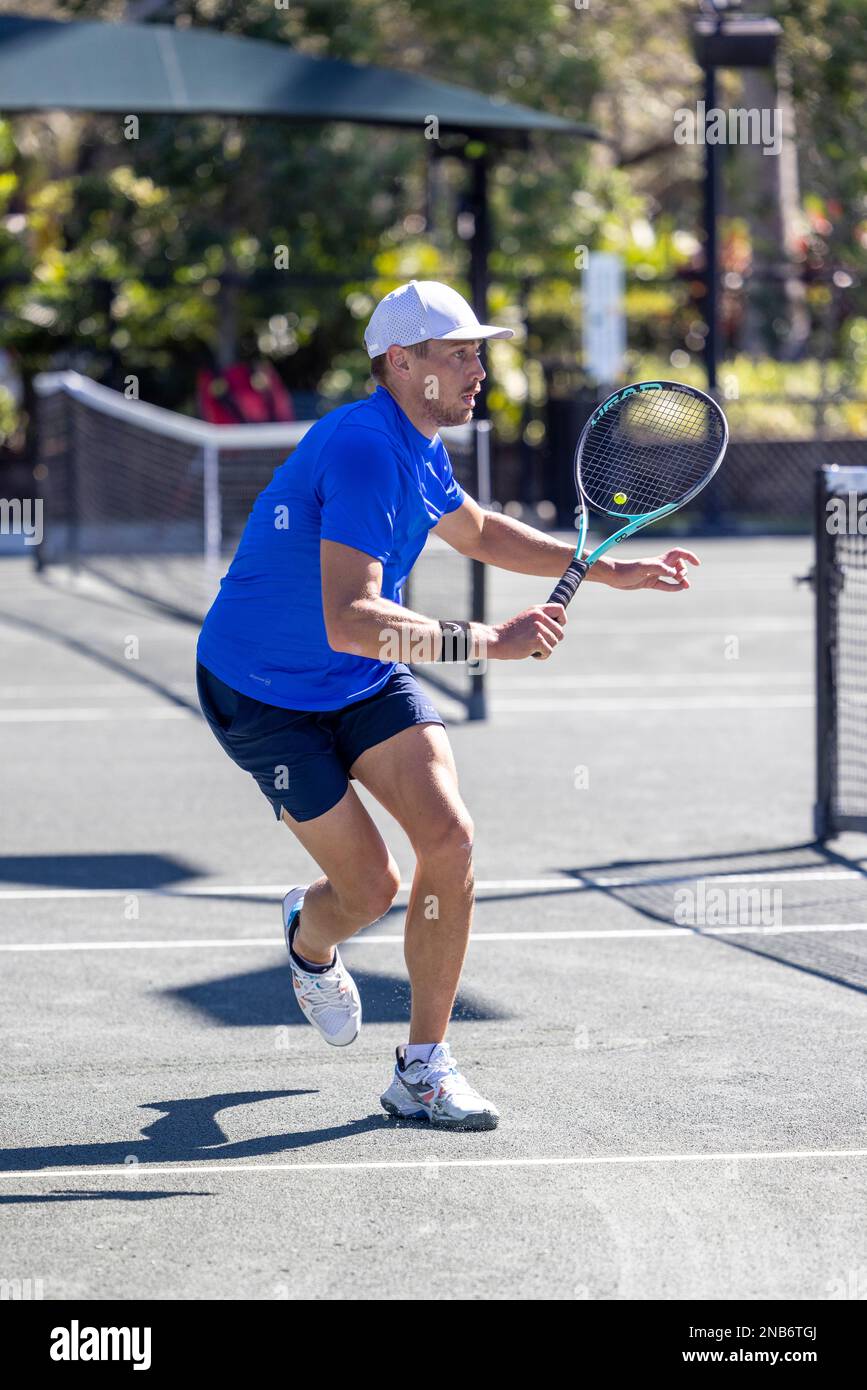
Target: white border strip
[169,422]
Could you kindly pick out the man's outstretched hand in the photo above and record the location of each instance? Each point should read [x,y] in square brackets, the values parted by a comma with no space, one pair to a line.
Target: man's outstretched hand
[666,572]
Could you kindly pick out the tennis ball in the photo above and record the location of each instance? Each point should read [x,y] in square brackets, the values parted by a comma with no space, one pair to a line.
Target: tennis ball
[620,498]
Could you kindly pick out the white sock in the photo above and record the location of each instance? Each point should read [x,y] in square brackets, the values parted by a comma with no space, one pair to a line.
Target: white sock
[419,1052]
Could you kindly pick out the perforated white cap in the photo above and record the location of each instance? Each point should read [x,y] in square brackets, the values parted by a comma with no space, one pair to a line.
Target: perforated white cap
[421,310]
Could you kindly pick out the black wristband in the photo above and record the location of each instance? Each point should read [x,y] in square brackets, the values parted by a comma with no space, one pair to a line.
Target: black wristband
[455,641]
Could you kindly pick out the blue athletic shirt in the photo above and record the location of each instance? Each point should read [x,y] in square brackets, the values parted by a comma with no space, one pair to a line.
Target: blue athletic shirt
[364,476]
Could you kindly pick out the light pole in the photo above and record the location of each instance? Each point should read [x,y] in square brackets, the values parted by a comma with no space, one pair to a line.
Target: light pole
[722,39]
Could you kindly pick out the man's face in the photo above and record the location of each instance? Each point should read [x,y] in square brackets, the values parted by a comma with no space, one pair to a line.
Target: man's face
[442,386]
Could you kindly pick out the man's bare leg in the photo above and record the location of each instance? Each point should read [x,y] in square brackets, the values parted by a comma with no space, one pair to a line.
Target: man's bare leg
[360,878]
[413,776]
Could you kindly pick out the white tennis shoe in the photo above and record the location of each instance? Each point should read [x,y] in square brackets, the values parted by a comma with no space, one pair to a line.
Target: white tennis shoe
[328,999]
[435,1090]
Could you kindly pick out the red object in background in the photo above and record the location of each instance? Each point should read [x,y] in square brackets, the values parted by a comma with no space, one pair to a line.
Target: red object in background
[243,395]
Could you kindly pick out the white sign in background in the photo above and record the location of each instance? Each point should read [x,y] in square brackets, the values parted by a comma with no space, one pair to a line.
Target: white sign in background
[604,317]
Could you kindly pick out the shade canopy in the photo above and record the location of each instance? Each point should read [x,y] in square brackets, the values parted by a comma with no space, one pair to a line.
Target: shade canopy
[155,68]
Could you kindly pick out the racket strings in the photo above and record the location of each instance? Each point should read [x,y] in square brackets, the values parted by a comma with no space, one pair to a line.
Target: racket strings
[649,451]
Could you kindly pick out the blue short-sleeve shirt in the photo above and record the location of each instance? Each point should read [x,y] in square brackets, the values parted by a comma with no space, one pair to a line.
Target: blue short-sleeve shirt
[363,476]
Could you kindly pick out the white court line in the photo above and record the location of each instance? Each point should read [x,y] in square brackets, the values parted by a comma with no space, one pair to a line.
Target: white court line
[275,892]
[656,679]
[687,932]
[649,704]
[20,593]
[64,716]
[165,633]
[793,876]
[713,627]
[758,876]
[54,690]
[137,1170]
[271,891]
[611,705]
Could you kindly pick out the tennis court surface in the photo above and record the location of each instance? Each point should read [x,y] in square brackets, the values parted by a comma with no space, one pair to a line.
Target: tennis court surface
[664,994]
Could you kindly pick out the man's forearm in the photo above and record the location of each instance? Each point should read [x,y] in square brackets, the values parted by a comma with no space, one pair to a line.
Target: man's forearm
[384,631]
[510,545]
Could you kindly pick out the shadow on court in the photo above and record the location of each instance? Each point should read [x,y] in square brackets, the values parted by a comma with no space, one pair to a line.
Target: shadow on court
[258,999]
[187,1131]
[123,872]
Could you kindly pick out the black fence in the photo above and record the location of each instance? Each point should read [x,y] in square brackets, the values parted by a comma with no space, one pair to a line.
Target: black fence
[766,485]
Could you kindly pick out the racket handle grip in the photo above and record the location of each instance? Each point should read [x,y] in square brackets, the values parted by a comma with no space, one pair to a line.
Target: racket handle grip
[567,587]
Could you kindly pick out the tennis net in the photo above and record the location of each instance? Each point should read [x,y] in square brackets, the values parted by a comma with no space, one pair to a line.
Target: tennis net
[801,906]
[153,503]
[841,650]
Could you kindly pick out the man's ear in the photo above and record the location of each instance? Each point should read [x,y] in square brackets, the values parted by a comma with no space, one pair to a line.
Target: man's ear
[399,362]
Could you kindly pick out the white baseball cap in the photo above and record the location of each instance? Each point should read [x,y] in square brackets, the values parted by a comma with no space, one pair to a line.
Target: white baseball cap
[421,310]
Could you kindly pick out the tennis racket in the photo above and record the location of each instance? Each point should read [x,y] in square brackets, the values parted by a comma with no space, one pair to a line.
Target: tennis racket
[644,452]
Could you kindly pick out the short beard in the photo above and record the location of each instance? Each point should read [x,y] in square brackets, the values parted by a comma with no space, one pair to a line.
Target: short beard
[443,415]
[440,415]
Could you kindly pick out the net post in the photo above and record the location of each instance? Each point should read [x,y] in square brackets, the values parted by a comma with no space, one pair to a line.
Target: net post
[74,441]
[59,439]
[212,508]
[43,392]
[478,702]
[823,827]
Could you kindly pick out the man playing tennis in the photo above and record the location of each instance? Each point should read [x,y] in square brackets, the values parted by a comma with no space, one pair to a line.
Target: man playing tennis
[297,677]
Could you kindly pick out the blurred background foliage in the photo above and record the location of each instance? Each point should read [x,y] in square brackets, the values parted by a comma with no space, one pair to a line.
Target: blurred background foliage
[151,257]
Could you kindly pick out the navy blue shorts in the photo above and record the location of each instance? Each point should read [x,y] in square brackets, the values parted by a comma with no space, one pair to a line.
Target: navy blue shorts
[301,759]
